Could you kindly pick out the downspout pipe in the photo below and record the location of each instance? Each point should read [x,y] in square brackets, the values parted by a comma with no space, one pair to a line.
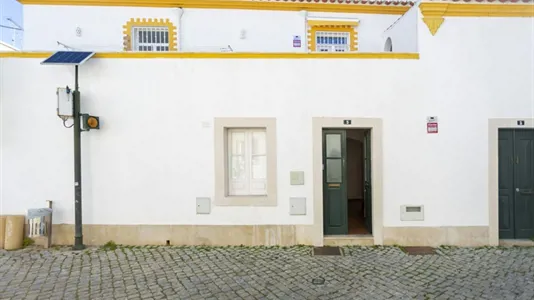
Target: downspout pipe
[179,31]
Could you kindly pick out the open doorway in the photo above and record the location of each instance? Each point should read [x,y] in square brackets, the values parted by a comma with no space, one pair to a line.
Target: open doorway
[358,209]
[347,182]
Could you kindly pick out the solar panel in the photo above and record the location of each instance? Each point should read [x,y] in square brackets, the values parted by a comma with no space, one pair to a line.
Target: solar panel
[68,58]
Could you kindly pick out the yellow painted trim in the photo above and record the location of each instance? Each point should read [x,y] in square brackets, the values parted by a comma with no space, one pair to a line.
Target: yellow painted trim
[314,26]
[433,24]
[434,12]
[225,55]
[332,23]
[128,27]
[236,4]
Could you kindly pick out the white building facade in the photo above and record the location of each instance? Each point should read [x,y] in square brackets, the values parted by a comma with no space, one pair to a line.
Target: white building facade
[232,133]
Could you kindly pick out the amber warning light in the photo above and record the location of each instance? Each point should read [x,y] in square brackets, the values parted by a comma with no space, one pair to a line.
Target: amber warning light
[90,122]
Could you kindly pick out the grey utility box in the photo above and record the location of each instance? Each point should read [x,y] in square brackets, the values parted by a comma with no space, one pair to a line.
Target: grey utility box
[297,206]
[203,205]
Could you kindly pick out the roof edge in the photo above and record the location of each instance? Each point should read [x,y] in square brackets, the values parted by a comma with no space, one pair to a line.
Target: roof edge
[389,7]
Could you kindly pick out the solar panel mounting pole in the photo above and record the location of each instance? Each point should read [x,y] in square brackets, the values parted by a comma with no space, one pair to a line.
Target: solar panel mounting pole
[75,58]
[78,235]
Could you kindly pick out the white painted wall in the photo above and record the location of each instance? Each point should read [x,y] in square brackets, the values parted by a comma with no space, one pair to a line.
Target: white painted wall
[152,156]
[204,30]
[403,32]
[101,26]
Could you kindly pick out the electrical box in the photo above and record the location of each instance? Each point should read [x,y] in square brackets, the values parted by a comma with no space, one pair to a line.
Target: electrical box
[297,206]
[412,213]
[296,177]
[203,206]
[65,103]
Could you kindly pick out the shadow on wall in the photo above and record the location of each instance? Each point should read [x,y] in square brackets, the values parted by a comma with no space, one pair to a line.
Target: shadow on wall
[388,47]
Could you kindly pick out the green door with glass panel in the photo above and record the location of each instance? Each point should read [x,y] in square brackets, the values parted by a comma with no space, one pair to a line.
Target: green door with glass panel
[334,182]
[516,183]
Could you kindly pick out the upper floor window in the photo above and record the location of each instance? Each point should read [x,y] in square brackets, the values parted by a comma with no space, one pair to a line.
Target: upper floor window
[150,39]
[151,35]
[332,36]
[332,41]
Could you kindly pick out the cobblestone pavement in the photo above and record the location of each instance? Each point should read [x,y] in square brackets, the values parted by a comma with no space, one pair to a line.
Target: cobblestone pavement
[266,273]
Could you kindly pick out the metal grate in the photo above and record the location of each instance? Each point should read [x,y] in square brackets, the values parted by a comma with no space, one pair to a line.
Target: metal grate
[155,39]
[419,250]
[332,41]
[327,250]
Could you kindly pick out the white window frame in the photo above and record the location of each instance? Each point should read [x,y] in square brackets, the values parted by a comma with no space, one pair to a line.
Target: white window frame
[223,195]
[163,46]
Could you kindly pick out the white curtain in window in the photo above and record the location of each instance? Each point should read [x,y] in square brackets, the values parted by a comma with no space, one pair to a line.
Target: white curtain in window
[247,161]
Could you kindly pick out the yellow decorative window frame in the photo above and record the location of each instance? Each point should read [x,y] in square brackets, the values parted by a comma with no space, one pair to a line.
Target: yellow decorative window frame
[334,26]
[143,22]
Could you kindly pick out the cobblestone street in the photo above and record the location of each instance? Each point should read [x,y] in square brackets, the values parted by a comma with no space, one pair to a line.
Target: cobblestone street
[266,273]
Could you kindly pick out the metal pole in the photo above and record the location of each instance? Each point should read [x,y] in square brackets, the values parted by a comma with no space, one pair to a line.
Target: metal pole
[78,236]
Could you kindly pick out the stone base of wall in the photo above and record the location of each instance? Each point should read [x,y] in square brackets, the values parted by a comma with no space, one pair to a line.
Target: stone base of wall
[256,235]
[212,235]
[469,236]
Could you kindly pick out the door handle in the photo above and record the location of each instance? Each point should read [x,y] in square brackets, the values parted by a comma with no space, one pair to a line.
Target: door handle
[524,191]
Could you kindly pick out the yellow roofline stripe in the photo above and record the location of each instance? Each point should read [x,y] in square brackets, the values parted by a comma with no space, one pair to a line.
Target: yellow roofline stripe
[434,13]
[235,4]
[226,55]
[476,10]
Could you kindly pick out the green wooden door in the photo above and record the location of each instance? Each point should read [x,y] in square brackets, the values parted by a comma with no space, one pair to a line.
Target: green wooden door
[524,183]
[506,184]
[367,187]
[516,184]
[334,182]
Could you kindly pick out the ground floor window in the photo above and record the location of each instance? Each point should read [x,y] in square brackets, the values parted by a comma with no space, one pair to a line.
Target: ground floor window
[247,161]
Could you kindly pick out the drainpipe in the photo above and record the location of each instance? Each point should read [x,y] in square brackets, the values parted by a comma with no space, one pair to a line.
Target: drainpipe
[179,31]
[305,37]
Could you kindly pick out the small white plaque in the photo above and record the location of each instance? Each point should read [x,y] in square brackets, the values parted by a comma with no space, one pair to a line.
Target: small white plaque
[296,178]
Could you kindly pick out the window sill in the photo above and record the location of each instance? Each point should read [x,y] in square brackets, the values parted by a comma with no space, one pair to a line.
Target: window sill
[246,201]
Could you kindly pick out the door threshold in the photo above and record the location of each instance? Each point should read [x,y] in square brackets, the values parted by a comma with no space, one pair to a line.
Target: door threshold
[348,236]
[513,242]
[349,240]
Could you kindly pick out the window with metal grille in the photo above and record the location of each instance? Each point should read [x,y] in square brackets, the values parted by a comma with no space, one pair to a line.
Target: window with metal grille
[154,39]
[332,41]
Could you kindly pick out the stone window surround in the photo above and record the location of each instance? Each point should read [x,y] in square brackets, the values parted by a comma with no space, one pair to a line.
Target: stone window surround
[148,22]
[221,167]
[348,26]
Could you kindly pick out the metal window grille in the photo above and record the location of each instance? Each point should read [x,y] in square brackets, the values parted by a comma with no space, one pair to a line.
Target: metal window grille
[332,41]
[155,39]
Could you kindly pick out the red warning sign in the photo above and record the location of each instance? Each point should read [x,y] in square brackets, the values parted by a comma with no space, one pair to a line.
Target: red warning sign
[432,127]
